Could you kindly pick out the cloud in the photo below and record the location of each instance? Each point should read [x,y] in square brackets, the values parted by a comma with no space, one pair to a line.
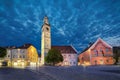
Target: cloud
[114,40]
[77,22]
[61,31]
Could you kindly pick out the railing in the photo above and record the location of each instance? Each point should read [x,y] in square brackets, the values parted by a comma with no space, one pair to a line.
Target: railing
[101,55]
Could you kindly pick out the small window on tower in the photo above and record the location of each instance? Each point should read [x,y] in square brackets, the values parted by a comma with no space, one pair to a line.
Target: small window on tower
[47,29]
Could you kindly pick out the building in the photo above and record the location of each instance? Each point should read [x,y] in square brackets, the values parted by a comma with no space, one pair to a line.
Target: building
[98,53]
[45,40]
[69,55]
[116,53]
[16,56]
[68,52]
[22,56]
[32,55]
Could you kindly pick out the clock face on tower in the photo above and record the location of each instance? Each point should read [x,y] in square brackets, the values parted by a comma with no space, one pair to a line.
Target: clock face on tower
[47,28]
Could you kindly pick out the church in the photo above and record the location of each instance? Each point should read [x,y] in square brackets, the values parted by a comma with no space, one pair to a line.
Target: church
[69,53]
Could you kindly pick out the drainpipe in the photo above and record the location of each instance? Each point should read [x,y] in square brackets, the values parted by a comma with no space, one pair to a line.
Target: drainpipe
[90,56]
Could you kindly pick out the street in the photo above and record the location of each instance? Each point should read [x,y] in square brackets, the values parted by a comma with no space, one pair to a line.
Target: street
[81,73]
[22,74]
[61,73]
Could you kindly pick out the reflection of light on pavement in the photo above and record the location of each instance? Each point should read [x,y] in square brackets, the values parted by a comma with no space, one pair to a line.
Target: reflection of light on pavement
[21,67]
[32,64]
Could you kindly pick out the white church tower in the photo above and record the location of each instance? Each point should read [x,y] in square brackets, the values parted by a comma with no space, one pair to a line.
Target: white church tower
[45,40]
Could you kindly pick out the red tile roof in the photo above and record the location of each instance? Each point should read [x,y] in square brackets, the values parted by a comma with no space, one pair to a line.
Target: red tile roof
[25,46]
[65,49]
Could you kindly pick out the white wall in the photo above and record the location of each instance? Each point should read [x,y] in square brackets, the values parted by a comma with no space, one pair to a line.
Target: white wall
[69,59]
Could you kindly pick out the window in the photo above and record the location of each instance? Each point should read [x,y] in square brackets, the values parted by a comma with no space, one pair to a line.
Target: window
[23,56]
[95,62]
[13,56]
[100,50]
[8,56]
[22,51]
[47,28]
[20,56]
[64,56]
[102,53]
[107,49]
[69,55]
[82,58]
[107,60]
[96,52]
[73,62]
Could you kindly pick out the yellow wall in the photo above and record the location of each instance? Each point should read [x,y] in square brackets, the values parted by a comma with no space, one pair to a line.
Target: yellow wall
[32,54]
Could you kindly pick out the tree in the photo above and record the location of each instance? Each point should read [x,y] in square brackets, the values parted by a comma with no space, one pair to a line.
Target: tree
[116,54]
[3,52]
[54,56]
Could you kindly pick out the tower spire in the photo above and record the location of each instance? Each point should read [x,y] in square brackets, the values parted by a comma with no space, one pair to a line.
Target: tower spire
[46,20]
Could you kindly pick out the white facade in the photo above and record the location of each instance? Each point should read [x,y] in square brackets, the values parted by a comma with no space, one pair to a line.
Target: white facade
[16,54]
[69,55]
[16,57]
[69,59]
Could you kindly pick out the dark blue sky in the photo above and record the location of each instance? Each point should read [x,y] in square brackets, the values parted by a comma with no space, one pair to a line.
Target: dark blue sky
[77,22]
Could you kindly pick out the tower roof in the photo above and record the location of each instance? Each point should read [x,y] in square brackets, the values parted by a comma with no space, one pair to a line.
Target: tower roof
[46,20]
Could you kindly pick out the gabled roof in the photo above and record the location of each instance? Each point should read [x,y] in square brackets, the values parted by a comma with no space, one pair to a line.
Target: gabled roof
[87,47]
[25,46]
[65,49]
[99,39]
[91,46]
[11,47]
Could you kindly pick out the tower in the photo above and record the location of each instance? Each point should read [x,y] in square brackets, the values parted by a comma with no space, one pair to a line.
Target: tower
[45,39]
